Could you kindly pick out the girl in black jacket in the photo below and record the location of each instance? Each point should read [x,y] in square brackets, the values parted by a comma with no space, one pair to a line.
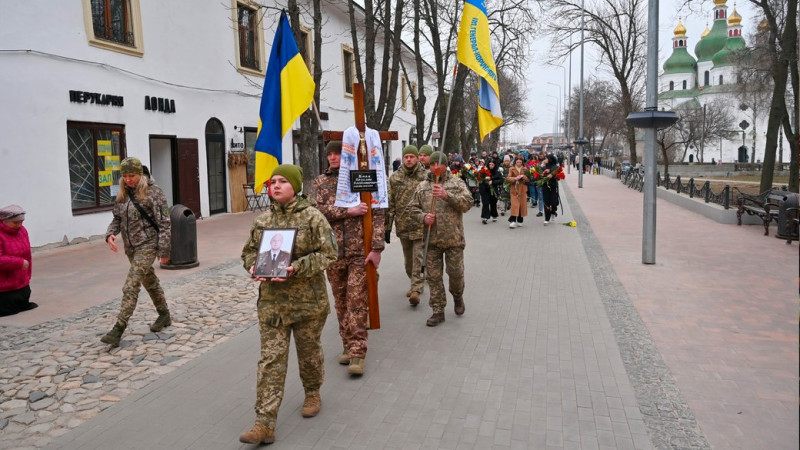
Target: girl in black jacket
[489,190]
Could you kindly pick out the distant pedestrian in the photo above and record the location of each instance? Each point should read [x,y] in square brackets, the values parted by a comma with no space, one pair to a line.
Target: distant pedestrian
[297,304]
[450,199]
[550,189]
[16,262]
[141,215]
[396,164]
[489,189]
[518,192]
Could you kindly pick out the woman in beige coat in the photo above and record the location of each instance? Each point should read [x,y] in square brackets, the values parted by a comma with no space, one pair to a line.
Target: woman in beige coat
[516,179]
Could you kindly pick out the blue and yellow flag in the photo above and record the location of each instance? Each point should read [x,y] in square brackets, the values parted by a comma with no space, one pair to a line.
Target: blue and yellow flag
[475,52]
[288,91]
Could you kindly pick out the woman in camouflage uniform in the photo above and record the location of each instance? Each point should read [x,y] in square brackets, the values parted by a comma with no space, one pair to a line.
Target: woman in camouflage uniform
[146,233]
[297,304]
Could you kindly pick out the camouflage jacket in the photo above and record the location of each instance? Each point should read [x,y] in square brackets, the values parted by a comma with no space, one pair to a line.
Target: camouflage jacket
[402,185]
[349,230]
[304,294]
[448,229]
[137,233]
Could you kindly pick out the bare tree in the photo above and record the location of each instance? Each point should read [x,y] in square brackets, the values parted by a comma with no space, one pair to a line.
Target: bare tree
[618,29]
[603,118]
[696,124]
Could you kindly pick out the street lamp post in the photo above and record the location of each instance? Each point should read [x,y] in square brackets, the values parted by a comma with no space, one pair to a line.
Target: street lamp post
[558,121]
[556,128]
[582,139]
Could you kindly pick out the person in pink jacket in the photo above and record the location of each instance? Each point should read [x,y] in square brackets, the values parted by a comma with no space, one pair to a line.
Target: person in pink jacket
[15,262]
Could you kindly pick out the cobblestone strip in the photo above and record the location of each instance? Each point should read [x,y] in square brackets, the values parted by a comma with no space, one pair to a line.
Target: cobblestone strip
[58,375]
[670,422]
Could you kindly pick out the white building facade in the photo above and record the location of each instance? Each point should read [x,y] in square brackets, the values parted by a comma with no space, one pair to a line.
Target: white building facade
[177,84]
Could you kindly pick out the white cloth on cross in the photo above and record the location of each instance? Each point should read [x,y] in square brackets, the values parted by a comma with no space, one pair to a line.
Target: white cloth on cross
[345,198]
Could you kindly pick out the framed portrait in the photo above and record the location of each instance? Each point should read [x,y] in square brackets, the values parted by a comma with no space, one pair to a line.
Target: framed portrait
[275,252]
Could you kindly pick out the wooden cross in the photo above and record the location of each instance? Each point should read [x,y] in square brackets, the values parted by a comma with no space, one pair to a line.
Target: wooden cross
[366,197]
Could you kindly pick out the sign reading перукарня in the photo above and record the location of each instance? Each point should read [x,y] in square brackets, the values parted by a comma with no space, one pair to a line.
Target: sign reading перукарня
[96,98]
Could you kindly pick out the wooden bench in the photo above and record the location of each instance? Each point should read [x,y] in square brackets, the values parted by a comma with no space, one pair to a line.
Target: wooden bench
[764,205]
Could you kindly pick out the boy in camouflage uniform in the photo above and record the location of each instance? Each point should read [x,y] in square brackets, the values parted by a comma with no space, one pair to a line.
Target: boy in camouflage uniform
[146,234]
[402,185]
[297,304]
[347,275]
[447,242]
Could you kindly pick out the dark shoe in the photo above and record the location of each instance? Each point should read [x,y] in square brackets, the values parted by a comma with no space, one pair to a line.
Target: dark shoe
[539,214]
[435,319]
[311,405]
[356,366]
[459,306]
[413,299]
[259,434]
[484,221]
[114,336]
[164,320]
[30,306]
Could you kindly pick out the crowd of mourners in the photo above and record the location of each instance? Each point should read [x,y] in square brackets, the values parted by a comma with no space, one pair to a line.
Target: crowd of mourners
[511,183]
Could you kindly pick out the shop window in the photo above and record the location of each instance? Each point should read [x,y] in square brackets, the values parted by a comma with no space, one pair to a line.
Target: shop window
[94,152]
[114,25]
[348,70]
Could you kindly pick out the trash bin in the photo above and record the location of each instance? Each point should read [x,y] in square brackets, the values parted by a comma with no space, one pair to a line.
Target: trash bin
[785,226]
[183,244]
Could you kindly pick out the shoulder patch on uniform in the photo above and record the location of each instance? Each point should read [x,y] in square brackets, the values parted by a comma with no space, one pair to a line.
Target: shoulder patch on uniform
[164,210]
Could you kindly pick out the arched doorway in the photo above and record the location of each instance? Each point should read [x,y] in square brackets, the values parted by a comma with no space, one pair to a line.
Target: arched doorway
[215,162]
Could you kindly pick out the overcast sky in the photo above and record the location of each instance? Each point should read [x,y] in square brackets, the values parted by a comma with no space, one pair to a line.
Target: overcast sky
[542,105]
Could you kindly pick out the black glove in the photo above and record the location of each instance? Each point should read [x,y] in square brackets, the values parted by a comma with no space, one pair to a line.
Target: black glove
[387,236]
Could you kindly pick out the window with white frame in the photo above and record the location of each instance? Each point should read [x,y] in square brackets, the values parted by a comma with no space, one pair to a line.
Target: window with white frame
[114,25]
[348,70]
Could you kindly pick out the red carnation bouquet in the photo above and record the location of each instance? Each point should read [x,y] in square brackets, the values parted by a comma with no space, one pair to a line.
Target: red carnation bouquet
[547,174]
[484,175]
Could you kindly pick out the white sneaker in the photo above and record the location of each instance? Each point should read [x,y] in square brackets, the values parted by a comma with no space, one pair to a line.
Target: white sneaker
[519,224]
[494,219]
[546,222]
[512,225]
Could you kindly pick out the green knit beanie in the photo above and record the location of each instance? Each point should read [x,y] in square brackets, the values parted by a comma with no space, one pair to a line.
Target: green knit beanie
[426,150]
[334,146]
[410,149]
[292,173]
[438,157]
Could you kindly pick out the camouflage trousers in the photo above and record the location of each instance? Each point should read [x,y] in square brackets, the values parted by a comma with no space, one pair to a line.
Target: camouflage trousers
[412,254]
[348,279]
[141,274]
[271,376]
[436,260]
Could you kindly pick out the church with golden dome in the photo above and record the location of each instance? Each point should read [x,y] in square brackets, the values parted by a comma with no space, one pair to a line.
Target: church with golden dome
[693,80]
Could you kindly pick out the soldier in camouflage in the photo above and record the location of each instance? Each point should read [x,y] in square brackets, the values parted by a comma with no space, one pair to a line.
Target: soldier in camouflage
[446,228]
[348,275]
[297,304]
[425,156]
[402,185]
[141,214]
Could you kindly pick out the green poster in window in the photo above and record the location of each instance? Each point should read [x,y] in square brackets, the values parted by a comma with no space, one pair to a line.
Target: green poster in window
[103,148]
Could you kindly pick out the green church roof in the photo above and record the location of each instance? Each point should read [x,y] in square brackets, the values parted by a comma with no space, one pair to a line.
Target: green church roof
[680,62]
[708,46]
[724,57]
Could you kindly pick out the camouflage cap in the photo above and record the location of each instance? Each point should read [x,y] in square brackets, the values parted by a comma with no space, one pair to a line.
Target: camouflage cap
[410,149]
[334,146]
[426,150]
[130,165]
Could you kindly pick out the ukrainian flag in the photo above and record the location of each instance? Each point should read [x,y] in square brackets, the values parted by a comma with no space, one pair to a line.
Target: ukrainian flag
[288,91]
[475,52]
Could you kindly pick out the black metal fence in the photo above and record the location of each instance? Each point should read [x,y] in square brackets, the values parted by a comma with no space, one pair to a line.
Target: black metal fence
[635,180]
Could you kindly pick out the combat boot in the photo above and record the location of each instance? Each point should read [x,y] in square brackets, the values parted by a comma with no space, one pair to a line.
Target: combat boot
[459,305]
[413,299]
[344,358]
[114,336]
[356,366]
[435,319]
[164,320]
[259,434]
[311,405]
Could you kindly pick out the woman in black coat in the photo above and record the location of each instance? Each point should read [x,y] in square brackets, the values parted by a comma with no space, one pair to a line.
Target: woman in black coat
[550,190]
[488,189]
